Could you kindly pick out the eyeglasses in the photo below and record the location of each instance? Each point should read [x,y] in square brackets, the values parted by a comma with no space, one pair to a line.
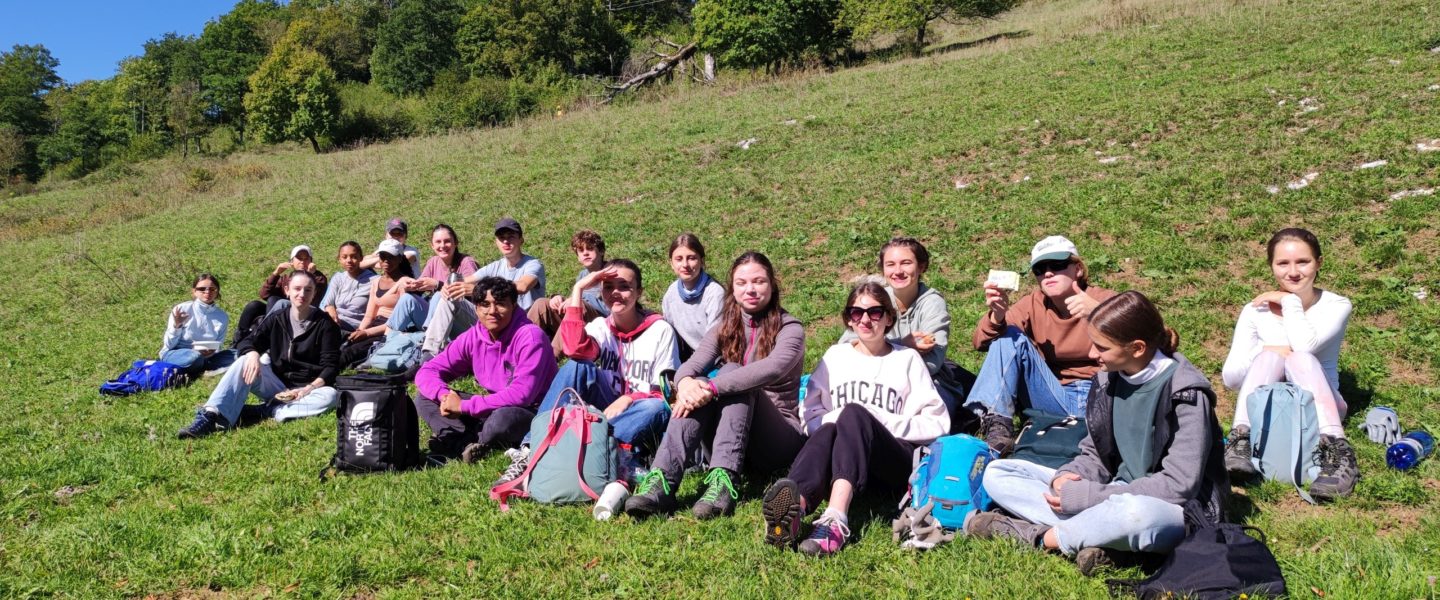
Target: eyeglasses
[1050,266]
[853,313]
[206,288]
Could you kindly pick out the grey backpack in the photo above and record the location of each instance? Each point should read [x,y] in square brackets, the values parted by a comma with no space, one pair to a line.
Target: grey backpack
[575,456]
[1284,432]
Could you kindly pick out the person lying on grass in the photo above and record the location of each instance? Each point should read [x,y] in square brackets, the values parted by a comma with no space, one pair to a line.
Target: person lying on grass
[348,294]
[617,363]
[693,302]
[869,404]
[589,249]
[273,290]
[303,344]
[194,330]
[510,359]
[747,414]
[1294,334]
[449,310]
[1036,349]
[1151,464]
[383,310]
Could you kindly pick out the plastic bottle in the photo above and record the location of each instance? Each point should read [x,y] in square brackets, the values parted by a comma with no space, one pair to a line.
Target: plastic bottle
[611,500]
[1413,447]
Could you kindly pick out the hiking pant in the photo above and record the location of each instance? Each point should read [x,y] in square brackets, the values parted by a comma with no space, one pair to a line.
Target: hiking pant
[232,391]
[541,314]
[640,425]
[1014,372]
[196,365]
[1303,370]
[731,425]
[502,428]
[1121,522]
[447,319]
[856,448]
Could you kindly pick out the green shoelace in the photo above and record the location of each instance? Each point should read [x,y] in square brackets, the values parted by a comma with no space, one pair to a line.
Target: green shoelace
[717,481]
[650,481]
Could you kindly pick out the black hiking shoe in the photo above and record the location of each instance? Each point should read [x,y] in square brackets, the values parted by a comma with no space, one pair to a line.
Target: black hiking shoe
[995,525]
[1091,560]
[206,423]
[1238,453]
[999,433]
[1338,468]
[783,508]
[652,497]
[719,497]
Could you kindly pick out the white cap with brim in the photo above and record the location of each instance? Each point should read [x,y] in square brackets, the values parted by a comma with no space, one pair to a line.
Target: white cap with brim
[301,248]
[391,247]
[1055,247]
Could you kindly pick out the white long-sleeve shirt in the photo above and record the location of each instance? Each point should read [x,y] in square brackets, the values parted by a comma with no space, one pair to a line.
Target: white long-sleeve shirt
[207,323]
[1318,331]
[896,388]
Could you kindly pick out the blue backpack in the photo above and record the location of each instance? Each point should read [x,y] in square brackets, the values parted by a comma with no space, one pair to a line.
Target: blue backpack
[947,476]
[145,376]
[1284,431]
[398,353]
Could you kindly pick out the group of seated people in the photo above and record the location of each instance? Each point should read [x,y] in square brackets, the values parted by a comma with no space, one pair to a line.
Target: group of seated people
[714,380]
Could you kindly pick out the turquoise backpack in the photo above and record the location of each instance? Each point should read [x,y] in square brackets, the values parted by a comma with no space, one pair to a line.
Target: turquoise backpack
[947,476]
[576,456]
[1284,432]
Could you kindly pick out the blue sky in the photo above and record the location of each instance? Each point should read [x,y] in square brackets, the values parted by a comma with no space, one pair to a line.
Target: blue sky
[90,36]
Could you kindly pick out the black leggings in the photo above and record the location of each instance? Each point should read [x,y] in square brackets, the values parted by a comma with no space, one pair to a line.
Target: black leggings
[856,448]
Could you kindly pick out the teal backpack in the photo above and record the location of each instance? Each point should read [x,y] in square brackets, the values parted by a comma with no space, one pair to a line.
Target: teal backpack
[1284,432]
[576,456]
[947,477]
[399,352]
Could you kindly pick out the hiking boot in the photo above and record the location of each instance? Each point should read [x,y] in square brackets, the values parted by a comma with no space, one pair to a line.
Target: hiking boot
[827,538]
[1091,560]
[652,497]
[206,423]
[995,525]
[519,460]
[783,508]
[1238,453]
[475,451]
[719,497]
[999,433]
[1338,470]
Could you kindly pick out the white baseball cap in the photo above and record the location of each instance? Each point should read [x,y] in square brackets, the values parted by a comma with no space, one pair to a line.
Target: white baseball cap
[296,251]
[1055,247]
[391,247]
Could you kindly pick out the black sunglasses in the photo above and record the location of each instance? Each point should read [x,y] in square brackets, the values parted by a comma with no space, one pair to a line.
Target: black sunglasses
[206,289]
[853,313]
[1050,266]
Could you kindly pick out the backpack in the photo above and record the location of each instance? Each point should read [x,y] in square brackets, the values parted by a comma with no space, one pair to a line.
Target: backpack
[1048,439]
[398,353]
[576,455]
[376,427]
[947,479]
[1284,431]
[1214,561]
[145,376]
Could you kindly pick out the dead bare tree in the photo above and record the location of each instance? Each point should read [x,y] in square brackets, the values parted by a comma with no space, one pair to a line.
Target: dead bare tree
[667,64]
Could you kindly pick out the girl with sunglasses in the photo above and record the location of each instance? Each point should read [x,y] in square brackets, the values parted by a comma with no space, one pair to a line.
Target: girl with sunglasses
[869,404]
[1037,349]
[195,330]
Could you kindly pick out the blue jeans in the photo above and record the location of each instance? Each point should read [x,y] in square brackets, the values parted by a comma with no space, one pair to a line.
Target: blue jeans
[411,313]
[1015,371]
[196,365]
[642,423]
[232,391]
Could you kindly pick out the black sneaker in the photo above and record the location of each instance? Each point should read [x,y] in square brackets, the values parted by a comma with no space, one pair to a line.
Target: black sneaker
[999,433]
[995,525]
[1091,560]
[652,497]
[1338,468]
[719,497]
[206,423]
[1238,453]
[783,508]
[472,453]
[254,414]
[519,460]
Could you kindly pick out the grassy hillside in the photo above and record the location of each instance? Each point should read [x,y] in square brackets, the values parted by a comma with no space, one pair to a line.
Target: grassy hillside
[1149,140]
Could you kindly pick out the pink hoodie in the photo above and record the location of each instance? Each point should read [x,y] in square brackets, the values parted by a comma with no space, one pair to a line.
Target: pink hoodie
[516,369]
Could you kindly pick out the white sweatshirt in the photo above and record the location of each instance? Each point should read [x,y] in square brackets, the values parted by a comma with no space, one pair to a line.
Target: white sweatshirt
[1318,331]
[632,367]
[896,388]
[207,323]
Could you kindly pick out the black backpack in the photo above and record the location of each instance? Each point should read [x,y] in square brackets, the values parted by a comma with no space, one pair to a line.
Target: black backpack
[376,428]
[1213,561]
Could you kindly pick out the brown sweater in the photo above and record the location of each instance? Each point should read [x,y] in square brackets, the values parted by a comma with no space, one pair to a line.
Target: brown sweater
[1064,343]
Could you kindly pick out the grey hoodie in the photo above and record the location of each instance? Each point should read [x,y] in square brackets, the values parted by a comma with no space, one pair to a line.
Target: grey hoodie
[777,375]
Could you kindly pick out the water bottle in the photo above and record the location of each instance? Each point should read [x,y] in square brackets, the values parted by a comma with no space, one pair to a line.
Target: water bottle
[454,277]
[1413,447]
[611,500]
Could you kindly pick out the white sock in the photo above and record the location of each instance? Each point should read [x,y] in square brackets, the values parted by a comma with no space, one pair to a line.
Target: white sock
[836,516]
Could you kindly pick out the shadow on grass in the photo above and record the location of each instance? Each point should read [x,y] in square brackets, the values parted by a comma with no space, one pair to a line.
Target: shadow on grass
[1357,399]
[1008,35]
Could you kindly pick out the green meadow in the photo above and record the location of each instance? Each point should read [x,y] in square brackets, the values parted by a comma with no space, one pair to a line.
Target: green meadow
[1167,138]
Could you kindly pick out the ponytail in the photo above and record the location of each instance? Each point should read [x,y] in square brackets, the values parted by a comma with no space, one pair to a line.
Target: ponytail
[1130,316]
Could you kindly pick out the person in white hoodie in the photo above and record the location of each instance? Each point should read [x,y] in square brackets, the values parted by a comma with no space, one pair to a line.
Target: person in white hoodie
[195,330]
[869,404]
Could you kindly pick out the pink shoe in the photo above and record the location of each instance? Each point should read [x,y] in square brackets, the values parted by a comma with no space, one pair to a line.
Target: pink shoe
[827,538]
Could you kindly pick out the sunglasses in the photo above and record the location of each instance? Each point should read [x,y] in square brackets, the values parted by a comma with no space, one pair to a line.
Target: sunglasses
[206,288]
[853,313]
[1050,266]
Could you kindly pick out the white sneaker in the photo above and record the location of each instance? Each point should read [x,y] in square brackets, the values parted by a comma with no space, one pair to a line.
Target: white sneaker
[519,460]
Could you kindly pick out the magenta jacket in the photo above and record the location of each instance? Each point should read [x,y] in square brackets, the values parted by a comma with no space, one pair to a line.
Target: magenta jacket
[516,369]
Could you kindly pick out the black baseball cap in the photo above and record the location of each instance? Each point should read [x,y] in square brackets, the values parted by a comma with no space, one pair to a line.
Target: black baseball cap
[508,223]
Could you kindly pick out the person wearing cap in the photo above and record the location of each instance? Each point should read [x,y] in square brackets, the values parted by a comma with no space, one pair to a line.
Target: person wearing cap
[396,229]
[386,291]
[1038,348]
[449,312]
[273,290]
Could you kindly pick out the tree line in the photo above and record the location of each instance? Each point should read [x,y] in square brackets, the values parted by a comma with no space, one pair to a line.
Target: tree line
[332,73]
